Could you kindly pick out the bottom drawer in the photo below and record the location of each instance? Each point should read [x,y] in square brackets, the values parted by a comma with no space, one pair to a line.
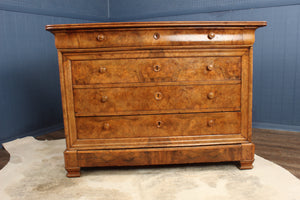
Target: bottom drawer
[158,125]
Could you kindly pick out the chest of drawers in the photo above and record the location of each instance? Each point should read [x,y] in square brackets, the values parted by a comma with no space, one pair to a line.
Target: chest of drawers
[154,93]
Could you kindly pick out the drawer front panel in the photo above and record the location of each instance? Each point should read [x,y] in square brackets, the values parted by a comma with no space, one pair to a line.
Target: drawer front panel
[158,125]
[156,70]
[153,37]
[133,100]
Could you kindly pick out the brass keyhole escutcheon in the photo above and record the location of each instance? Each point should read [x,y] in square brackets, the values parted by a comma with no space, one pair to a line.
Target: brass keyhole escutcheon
[156,36]
[104,99]
[210,67]
[100,37]
[210,95]
[158,124]
[102,70]
[106,126]
[156,68]
[211,35]
[158,96]
[210,123]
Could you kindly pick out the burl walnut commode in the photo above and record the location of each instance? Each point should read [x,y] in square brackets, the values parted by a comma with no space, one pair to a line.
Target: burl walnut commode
[154,93]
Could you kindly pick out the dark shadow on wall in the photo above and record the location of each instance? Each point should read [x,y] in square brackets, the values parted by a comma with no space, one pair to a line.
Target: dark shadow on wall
[30,94]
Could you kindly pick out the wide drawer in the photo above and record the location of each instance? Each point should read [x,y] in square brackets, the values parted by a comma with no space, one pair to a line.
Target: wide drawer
[155,70]
[153,37]
[163,99]
[158,125]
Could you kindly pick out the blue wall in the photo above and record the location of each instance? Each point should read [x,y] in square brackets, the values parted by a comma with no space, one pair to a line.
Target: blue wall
[276,98]
[29,81]
[30,101]
[128,10]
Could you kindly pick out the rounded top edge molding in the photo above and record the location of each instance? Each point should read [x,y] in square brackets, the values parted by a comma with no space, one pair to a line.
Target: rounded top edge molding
[246,24]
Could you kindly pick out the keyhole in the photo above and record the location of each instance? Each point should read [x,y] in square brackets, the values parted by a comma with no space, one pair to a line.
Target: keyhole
[156,68]
[158,96]
[158,124]
[156,36]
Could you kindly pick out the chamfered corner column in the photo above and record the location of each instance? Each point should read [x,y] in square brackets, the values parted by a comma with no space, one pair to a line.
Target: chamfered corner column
[247,156]
[71,163]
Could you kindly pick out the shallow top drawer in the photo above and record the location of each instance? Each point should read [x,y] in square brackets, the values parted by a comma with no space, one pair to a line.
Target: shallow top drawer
[152,37]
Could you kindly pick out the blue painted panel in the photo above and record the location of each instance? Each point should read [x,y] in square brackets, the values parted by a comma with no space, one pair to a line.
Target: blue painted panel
[296,92]
[276,86]
[29,77]
[124,10]
[77,9]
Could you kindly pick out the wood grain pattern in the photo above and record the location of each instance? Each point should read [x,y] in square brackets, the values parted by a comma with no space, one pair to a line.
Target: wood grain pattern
[281,147]
[138,38]
[156,93]
[158,125]
[247,156]
[162,99]
[158,142]
[155,70]
[245,96]
[158,157]
[71,163]
[186,24]
[64,98]
[144,52]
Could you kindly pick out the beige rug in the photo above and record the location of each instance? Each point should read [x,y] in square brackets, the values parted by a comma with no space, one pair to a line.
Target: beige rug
[36,171]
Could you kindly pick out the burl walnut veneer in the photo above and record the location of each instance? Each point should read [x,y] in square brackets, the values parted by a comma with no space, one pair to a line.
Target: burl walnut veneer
[153,93]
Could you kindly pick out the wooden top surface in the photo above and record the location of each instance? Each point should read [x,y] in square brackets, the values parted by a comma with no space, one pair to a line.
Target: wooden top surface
[254,24]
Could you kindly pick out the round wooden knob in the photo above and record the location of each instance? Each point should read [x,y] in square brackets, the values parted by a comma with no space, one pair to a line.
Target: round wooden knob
[210,123]
[156,36]
[210,67]
[100,37]
[106,125]
[158,96]
[211,95]
[104,99]
[211,35]
[158,124]
[156,68]
[102,70]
